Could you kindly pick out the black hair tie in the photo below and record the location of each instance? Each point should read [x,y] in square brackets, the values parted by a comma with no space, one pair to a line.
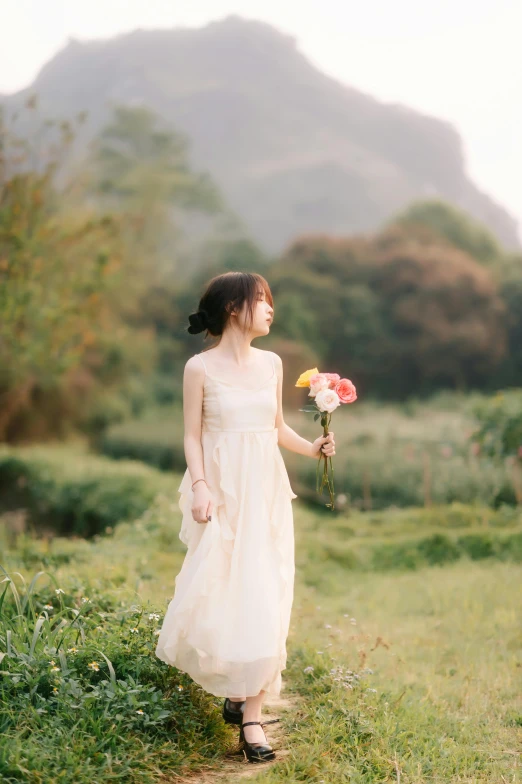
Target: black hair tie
[198,322]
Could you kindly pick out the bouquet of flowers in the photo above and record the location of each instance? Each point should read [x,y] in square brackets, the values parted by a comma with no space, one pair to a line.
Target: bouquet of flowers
[328,390]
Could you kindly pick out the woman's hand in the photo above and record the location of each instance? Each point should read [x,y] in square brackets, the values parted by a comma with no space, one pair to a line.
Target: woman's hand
[202,504]
[324,445]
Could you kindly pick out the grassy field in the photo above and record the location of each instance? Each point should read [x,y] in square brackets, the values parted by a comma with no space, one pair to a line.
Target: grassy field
[405,652]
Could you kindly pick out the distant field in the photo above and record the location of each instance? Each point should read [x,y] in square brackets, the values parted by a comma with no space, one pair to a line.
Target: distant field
[403,455]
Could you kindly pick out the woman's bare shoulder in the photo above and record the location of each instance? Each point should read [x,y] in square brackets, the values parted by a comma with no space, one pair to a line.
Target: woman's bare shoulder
[194,367]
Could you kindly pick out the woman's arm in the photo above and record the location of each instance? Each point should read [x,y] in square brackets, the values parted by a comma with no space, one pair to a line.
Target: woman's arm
[193,379]
[288,438]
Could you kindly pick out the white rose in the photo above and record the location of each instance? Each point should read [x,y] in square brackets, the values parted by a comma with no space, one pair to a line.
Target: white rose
[319,384]
[327,400]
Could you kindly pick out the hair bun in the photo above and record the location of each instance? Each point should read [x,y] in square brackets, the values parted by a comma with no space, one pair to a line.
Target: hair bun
[198,322]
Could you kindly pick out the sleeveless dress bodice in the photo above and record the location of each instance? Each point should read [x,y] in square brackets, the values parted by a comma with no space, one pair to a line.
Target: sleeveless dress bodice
[227,407]
[227,623]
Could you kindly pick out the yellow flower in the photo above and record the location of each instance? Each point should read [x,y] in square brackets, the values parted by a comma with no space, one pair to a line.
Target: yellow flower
[304,378]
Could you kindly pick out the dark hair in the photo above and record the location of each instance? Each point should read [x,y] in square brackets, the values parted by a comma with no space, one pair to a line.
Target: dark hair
[224,293]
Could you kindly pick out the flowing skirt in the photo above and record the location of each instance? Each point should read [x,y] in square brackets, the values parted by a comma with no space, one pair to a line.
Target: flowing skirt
[228,621]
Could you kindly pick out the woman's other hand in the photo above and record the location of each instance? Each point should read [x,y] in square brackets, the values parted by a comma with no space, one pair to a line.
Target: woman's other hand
[202,504]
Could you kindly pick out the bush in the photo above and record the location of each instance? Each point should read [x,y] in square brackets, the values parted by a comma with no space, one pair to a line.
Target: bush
[78,493]
[157,443]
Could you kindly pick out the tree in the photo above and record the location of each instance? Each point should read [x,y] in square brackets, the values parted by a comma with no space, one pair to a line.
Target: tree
[142,170]
[445,221]
[60,272]
[397,314]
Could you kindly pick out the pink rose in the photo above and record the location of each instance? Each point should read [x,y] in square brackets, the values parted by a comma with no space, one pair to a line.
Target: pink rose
[346,390]
[333,378]
[318,382]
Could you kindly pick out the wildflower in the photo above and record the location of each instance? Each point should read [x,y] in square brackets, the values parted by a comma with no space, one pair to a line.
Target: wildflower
[154,616]
[55,669]
[319,651]
[180,688]
[157,631]
[52,662]
[140,711]
[58,591]
[346,615]
[85,600]
[134,630]
[99,628]
[48,607]
[55,690]
[372,691]
[328,626]
[94,666]
[308,669]
[72,650]
[353,621]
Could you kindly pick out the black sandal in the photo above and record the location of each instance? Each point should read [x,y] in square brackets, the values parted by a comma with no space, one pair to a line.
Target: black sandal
[231,715]
[257,752]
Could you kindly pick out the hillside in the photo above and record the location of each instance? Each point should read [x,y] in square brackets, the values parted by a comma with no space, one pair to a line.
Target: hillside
[293,150]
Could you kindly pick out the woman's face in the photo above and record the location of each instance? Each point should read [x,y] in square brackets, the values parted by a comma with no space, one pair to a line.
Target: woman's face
[263,315]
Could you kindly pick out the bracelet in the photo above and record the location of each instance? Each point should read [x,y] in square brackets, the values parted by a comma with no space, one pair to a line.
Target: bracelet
[198,480]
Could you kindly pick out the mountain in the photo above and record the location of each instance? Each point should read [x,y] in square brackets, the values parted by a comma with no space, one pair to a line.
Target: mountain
[293,150]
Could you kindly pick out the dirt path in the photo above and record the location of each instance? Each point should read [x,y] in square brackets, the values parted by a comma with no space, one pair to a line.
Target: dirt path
[235,767]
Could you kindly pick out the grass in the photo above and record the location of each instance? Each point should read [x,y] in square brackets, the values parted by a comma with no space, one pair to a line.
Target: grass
[406,673]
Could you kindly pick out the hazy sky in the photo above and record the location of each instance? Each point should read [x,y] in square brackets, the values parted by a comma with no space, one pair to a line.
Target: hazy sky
[455,59]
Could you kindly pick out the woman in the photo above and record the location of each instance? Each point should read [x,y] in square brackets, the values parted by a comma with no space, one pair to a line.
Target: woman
[228,621]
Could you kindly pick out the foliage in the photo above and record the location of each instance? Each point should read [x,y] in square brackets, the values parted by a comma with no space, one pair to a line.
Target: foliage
[500,424]
[397,313]
[77,665]
[75,493]
[61,270]
[450,223]
[142,169]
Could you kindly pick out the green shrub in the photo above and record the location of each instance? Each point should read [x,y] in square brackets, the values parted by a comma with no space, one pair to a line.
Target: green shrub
[158,443]
[75,493]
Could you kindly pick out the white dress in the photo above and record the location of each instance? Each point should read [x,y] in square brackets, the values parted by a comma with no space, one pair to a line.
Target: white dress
[228,621]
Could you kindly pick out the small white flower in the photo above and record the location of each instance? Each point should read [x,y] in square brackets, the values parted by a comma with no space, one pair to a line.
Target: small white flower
[353,621]
[134,631]
[157,631]
[180,688]
[55,690]
[327,400]
[72,650]
[55,669]
[85,600]
[154,617]
[319,651]
[94,666]
[308,669]
[372,691]
[58,591]
[328,626]
[48,607]
[140,711]
[346,615]
[52,662]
